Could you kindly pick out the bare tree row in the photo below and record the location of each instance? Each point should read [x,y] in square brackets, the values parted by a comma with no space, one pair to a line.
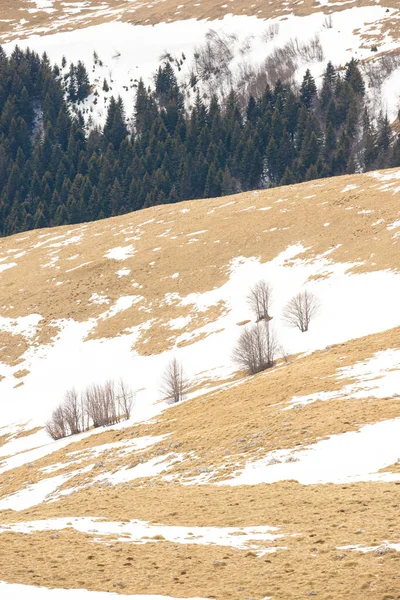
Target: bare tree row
[99,405]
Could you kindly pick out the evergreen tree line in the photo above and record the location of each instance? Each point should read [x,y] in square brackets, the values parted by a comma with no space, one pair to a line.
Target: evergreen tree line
[54,172]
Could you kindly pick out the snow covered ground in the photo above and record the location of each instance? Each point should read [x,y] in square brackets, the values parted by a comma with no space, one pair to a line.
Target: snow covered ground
[346,303]
[27,592]
[376,377]
[127,52]
[244,538]
[344,458]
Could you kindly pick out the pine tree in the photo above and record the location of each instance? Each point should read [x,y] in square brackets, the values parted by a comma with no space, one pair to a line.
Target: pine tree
[115,130]
[308,90]
[82,82]
[328,84]
[228,185]
[354,77]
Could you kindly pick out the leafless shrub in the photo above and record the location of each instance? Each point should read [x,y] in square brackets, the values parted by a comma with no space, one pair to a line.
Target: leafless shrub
[246,46]
[311,50]
[250,81]
[57,426]
[327,23]
[282,63]
[213,58]
[174,382]
[125,399]
[271,32]
[102,404]
[256,348]
[259,299]
[299,311]
[282,351]
[94,405]
[72,411]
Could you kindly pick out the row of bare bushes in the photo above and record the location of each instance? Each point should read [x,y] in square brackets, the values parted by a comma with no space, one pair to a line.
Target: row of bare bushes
[97,406]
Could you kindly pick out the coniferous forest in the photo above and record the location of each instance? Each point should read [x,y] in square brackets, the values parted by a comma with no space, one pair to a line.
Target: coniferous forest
[53,171]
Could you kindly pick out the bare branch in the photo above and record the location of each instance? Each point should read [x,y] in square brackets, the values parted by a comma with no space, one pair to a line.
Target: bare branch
[57,426]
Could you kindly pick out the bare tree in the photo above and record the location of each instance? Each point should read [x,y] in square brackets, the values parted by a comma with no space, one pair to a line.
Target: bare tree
[72,410]
[57,426]
[93,405]
[110,404]
[174,382]
[271,345]
[299,311]
[125,399]
[259,299]
[256,348]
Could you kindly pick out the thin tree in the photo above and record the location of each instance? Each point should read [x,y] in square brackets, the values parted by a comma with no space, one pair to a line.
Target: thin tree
[57,426]
[299,311]
[94,405]
[72,411]
[125,399]
[256,348]
[174,382]
[259,299]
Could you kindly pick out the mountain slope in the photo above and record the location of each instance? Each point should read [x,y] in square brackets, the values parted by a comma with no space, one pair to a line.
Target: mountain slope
[254,486]
[130,41]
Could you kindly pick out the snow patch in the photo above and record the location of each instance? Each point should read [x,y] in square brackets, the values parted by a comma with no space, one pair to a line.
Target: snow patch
[343,458]
[120,252]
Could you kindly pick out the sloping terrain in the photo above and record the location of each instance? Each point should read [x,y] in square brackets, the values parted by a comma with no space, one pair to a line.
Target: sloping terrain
[280,485]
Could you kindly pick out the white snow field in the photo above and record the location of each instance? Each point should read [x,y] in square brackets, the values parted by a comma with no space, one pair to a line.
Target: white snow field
[10,591]
[244,538]
[128,52]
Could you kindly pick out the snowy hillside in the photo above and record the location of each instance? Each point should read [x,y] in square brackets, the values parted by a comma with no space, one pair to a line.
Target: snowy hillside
[320,431]
[278,485]
[121,53]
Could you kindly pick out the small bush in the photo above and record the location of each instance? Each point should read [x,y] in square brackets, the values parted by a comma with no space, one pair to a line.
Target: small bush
[259,299]
[256,348]
[299,311]
[174,383]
